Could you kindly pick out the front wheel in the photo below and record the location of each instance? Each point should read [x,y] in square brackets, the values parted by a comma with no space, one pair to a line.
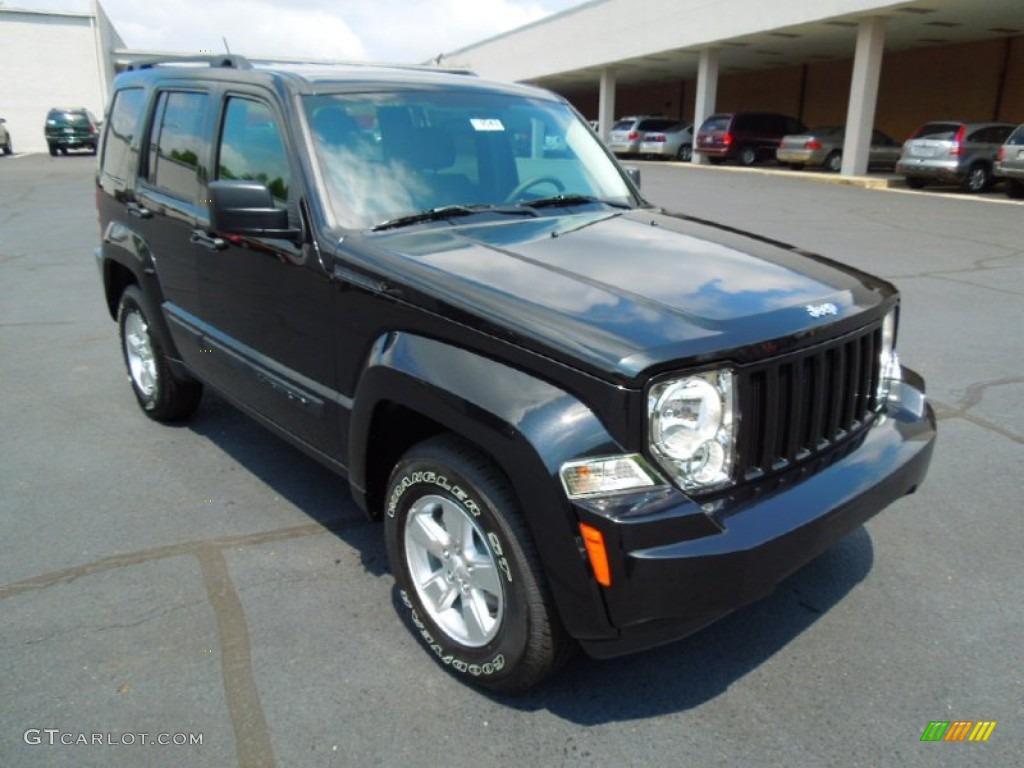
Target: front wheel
[8,149]
[467,574]
[161,395]
[53,150]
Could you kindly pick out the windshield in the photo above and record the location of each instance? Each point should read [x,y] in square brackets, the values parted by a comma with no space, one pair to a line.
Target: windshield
[388,155]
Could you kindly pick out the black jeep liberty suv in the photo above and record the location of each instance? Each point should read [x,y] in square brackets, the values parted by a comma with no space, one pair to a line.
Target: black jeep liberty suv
[583,421]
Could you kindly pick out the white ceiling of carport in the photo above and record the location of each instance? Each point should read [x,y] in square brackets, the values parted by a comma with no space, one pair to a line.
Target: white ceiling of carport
[917,24]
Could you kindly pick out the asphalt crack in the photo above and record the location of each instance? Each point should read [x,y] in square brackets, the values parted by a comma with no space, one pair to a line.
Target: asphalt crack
[973,396]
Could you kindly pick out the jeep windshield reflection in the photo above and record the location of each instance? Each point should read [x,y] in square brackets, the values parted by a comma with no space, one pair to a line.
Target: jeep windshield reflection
[390,159]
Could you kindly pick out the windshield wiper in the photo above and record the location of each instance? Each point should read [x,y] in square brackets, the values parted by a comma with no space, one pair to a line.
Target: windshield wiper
[557,201]
[448,212]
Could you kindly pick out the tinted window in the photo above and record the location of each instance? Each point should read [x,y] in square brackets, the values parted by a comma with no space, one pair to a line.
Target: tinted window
[716,123]
[119,156]
[251,147]
[177,144]
[937,131]
[992,135]
[1017,137]
[790,125]
[623,125]
[655,125]
[388,154]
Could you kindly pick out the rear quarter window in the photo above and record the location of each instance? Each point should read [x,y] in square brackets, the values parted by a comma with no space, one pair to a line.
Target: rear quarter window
[120,151]
[1017,137]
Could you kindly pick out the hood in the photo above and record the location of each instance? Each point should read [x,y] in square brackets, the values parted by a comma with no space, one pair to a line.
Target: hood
[622,293]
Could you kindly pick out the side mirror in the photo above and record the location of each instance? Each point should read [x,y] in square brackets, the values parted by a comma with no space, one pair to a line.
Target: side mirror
[634,174]
[247,208]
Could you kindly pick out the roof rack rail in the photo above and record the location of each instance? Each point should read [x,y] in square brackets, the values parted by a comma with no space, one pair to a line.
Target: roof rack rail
[298,62]
[224,60]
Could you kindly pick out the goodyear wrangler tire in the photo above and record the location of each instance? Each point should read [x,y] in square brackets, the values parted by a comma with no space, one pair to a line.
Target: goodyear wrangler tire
[468,578]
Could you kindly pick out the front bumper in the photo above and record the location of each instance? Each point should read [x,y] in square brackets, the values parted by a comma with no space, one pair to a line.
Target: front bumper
[678,565]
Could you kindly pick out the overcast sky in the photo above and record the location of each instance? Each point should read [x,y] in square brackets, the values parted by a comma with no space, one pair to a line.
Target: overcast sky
[409,31]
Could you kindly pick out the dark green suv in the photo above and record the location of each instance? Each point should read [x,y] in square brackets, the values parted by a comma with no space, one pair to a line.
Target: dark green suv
[74,128]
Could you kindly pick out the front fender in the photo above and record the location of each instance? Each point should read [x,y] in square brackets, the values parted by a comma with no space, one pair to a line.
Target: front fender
[527,426]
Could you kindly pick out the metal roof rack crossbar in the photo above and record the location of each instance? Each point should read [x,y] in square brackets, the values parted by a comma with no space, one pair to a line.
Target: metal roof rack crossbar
[225,60]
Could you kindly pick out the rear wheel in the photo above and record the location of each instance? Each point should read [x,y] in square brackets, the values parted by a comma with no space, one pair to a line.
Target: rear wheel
[161,395]
[1014,189]
[834,162]
[8,150]
[466,570]
[747,156]
[685,153]
[978,178]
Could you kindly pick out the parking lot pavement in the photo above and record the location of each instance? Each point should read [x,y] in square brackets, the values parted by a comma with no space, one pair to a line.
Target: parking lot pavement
[208,582]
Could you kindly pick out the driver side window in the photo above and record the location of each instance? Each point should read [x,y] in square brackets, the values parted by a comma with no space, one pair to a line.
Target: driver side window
[252,148]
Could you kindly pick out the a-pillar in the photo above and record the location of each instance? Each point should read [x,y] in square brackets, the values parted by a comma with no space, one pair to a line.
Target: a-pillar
[606,103]
[860,116]
[707,91]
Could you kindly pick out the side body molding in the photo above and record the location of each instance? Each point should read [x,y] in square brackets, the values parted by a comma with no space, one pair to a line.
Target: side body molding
[526,425]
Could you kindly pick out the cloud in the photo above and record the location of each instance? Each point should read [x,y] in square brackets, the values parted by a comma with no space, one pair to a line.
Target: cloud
[254,28]
[400,30]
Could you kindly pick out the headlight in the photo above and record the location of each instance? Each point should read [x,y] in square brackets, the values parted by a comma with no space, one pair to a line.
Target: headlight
[889,362]
[691,428]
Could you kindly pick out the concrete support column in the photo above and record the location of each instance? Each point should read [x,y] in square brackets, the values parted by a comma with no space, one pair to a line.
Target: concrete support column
[606,103]
[707,91]
[860,116]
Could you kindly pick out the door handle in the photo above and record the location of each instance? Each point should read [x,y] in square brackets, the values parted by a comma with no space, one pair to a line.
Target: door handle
[138,211]
[200,237]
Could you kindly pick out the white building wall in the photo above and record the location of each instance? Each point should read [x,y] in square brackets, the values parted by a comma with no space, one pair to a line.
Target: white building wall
[607,31]
[49,60]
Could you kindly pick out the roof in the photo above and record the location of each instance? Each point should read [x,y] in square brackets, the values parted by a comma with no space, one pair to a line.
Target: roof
[313,77]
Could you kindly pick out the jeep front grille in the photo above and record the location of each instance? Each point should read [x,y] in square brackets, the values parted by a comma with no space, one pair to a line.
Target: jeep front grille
[800,405]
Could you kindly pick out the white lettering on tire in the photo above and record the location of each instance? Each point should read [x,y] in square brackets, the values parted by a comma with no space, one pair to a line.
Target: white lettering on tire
[491,667]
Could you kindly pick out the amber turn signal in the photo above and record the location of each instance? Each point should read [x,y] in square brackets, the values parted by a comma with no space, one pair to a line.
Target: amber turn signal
[593,539]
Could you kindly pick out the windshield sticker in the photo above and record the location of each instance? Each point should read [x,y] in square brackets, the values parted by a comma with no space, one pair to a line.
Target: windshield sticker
[486,124]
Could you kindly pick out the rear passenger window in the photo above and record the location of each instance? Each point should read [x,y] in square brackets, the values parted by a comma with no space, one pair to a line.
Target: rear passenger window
[251,147]
[176,145]
[118,154]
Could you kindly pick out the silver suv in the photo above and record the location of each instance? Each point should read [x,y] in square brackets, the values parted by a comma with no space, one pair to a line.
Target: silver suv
[625,136]
[1010,164]
[953,152]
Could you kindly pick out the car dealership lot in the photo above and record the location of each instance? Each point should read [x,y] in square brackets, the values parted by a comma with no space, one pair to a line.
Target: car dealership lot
[210,580]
